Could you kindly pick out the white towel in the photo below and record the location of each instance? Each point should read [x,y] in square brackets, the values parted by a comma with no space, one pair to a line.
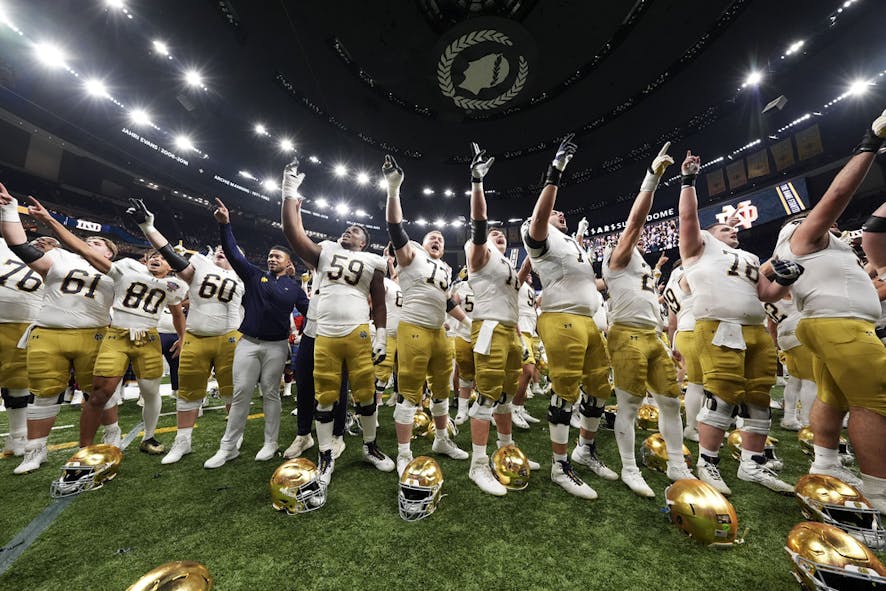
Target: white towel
[729,335]
[484,339]
[23,342]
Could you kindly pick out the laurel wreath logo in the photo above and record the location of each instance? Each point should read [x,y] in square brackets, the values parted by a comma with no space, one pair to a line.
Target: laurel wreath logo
[444,71]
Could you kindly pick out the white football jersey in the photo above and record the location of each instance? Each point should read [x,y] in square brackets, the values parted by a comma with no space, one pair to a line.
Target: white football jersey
[466,297]
[495,288]
[833,284]
[425,283]
[75,294]
[165,323]
[215,296]
[785,316]
[679,301]
[394,304]
[724,283]
[632,296]
[310,329]
[566,274]
[21,288]
[139,297]
[528,318]
[345,276]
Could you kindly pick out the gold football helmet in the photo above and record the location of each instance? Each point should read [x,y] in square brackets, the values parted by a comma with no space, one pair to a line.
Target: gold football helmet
[702,512]
[830,500]
[88,469]
[182,575]
[609,413]
[431,432]
[773,462]
[654,453]
[420,424]
[510,467]
[805,437]
[421,488]
[647,417]
[295,487]
[828,559]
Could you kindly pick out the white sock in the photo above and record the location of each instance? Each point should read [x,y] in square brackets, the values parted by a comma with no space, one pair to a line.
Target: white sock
[624,427]
[693,400]
[370,425]
[808,393]
[706,452]
[463,405]
[184,434]
[324,435]
[404,449]
[150,392]
[748,455]
[671,426]
[559,457]
[791,398]
[478,453]
[505,439]
[18,417]
[825,458]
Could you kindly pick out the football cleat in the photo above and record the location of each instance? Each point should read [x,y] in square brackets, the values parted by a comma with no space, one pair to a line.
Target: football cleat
[826,558]
[483,477]
[113,435]
[636,482]
[586,455]
[373,455]
[180,448]
[300,445]
[152,447]
[529,418]
[420,489]
[34,456]
[563,474]
[702,512]
[510,466]
[448,447]
[682,472]
[182,574]
[690,434]
[461,418]
[790,425]
[403,461]
[392,400]
[754,470]
[654,454]
[325,468]
[840,473]
[267,452]
[295,487]
[518,420]
[221,457]
[710,474]
[830,500]
[88,469]
[338,447]
[15,446]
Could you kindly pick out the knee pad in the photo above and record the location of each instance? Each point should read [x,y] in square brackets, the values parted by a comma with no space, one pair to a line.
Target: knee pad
[182,405]
[16,398]
[368,409]
[755,419]
[591,406]
[111,403]
[439,407]
[560,411]
[324,413]
[502,406]
[404,412]
[43,408]
[481,409]
[462,383]
[716,412]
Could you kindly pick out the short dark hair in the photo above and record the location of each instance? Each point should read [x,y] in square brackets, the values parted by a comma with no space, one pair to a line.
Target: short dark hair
[365,234]
[281,249]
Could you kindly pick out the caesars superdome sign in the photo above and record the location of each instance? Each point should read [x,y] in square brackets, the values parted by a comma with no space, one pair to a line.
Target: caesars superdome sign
[485,64]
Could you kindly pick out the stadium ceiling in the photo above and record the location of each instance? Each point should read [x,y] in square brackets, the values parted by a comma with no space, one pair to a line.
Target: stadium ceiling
[247,85]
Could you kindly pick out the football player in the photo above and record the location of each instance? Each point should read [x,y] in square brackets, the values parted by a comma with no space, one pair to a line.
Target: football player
[349,279]
[263,348]
[526,322]
[800,389]
[873,237]
[215,293]
[140,292]
[579,363]
[736,353]
[463,349]
[424,350]
[839,306]
[393,306]
[68,328]
[639,356]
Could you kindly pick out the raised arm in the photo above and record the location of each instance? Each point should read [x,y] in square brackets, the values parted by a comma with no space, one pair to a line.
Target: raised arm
[873,239]
[144,219]
[238,261]
[691,241]
[541,214]
[14,233]
[629,238]
[293,227]
[525,271]
[812,234]
[478,253]
[776,278]
[379,316]
[394,212]
[97,260]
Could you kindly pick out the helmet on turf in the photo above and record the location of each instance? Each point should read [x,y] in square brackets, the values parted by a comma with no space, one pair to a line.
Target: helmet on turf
[420,488]
[773,462]
[431,432]
[510,467]
[830,500]
[825,558]
[420,424]
[182,575]
[702,512]
[88,469]
[647,417]
[609,413]
[295,487]
[654,453]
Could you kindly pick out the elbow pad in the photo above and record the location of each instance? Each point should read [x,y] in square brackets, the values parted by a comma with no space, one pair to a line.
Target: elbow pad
[27,253]
[399,237]
[478,231]
[175,260]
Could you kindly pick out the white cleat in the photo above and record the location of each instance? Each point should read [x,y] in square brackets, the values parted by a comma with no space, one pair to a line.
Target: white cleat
[563,474]
[709,473]
[15,446]
[575,421]
[221,457]
[447,447]
[681,472]
[586,455]
[391,401]
[636,482]
[377,458]
[325,468]
[461,418]
[482,476]
[267,452]
[300,445]
[34,456]
[338,446]
[113,435]
[180,448]
[690,434]
[528,417]
[403,461]
[840,473]
[518,420]
[751,471]
[791,425]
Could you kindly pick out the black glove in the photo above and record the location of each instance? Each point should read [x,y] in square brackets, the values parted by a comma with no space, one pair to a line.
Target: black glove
[785,272]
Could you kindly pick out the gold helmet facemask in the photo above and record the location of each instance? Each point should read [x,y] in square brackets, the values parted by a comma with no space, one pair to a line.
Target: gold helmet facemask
[825,558]
[88,469]
[830,500]
[510,466]
[296,488]
[182,575]
[420,489]
[702,512]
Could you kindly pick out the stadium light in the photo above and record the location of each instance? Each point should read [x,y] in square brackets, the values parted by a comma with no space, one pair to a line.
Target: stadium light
[321,202]
[193,78]
[270,185]
[160,47]
[341,208]
[140,117]
[439,223]
[859,87]
[261,129]
[362,178]
[794,47]
[421,222]
[340,170]
[183,142]
[246,174]
[287,145]
[50,55]
[427,191]
[448,193]
[314,159]
[360,213]
[118,4]
[753,79]
[96,88]
[457,223]
[382,183]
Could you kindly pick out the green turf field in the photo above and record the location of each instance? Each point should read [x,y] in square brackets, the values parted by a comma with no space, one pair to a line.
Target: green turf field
[540,538]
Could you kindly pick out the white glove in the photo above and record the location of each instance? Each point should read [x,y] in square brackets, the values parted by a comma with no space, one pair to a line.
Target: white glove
[9,211]
[879,125]
[657,169]
[393,174]
[379,345]
[479,166]
[564,153]
[466,324]
[142,217]
[292,180]
[582,230]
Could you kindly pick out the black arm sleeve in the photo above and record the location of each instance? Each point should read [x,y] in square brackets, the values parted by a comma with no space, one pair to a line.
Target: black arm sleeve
[478,231]
[874,224]
[175,260]
[399,237]
[450,305]
[532,242]
[27,253]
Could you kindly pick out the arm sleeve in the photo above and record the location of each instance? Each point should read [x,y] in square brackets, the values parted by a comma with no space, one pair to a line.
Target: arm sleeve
[239,263]
[399,237]
[534,247]
[175,260]
[27,253]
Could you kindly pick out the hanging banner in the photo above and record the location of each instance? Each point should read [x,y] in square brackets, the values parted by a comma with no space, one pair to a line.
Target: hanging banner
[736,175]
[758,164]
[783,154]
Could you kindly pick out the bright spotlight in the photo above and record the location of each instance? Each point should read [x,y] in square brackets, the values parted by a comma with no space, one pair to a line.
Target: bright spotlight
[321,202]
[118,4]
[261,129]
[421,222]
[753,79]
[360,213]
[362,178]
[140,117]
[183,142]
[457,223]
[270,185]
[246,174]
[193,78]
[859,87]
[340,170]
[439,223]
[382,183]
[314,159]
[160,47]
[287,145]
[96,87]
[448,193]
[50,55]
[428,191]
[794,47]
[341,208]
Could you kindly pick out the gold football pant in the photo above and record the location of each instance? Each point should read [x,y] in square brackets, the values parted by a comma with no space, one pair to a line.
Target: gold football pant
[13,361]
[685,343]
[464,359]
[640,359]
[199,354]
[798,361]
[498,371]
[53,351]
[118,351]
[384,369]
[424,354]
[576,355]
[352,352]
[531,344]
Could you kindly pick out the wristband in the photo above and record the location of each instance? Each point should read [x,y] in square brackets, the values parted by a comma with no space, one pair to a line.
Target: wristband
[650,181]
[552,176]
[687,180]
[476,180]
